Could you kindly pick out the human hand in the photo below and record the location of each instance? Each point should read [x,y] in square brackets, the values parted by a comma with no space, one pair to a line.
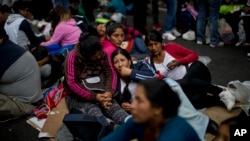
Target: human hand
[125,72]
[173,64]
[127,106]
[47,38]
[108,100]
[105,99]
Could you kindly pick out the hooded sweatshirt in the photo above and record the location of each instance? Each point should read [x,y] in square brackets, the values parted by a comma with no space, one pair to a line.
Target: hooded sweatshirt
[66,33]
[77,68]
[19,31]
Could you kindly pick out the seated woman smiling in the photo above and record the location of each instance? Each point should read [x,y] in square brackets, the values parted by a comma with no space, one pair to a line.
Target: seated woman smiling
[129,75]
[154,111]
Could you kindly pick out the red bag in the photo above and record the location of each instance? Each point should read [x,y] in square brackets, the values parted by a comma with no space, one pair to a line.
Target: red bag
[55,96]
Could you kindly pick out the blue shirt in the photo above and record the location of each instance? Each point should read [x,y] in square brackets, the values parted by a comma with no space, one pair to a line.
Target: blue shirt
[176,129]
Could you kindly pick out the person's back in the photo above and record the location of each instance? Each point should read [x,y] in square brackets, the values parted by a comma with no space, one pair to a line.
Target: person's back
[18,28]
[15,81]
[20,80]
[12,28]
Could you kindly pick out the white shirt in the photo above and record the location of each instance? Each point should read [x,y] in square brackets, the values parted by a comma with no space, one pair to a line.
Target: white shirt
[131,87]
[177,73]
[117,17]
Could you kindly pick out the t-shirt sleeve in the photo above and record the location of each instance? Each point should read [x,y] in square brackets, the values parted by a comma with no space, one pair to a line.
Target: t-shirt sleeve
[25,27]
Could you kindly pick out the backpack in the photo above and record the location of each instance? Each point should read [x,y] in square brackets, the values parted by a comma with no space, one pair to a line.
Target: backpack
[85,127]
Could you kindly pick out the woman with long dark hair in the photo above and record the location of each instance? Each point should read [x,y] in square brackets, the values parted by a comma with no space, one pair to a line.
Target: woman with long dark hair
[179,63]
[129,74]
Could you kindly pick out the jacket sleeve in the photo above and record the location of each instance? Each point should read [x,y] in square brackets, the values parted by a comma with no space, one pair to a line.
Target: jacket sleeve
[56,37]
[109,74]
[187,55]
[25,27]
[142,71]
[72,74]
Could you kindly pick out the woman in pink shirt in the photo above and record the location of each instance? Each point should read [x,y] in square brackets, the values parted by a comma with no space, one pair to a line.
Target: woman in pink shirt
[181,64]
[66,33]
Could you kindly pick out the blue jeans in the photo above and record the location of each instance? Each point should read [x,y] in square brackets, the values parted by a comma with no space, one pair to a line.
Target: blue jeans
[171,14]
[63,3]
[213,7]
[139,47]
[58,49]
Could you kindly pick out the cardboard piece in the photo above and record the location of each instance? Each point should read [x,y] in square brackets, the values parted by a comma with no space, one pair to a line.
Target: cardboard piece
[54,121]
[219,114]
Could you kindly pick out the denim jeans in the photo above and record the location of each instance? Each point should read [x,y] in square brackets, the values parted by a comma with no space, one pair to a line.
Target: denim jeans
[139,47]
[58,49]
[155,11]
[187,111]
[171,14]
[213,7]
[63,3]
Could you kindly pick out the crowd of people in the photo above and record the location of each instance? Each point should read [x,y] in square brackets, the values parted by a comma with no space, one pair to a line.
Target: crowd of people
[151,98]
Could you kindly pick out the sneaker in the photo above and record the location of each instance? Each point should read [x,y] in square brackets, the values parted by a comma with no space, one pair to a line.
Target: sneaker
[239,43]
[228,99]
[199,42]
[169,36]
[189,36]
[220,44]
[157,27]
[176,33]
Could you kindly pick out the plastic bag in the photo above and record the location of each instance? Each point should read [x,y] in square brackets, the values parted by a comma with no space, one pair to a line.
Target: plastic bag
[241,90]
[225,30]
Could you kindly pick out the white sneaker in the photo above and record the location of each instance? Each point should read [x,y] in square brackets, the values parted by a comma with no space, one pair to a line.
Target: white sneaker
[228,99]
[169,36]
[176,33]
[199,42]
[189,36]
[239,43]
[220,44]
